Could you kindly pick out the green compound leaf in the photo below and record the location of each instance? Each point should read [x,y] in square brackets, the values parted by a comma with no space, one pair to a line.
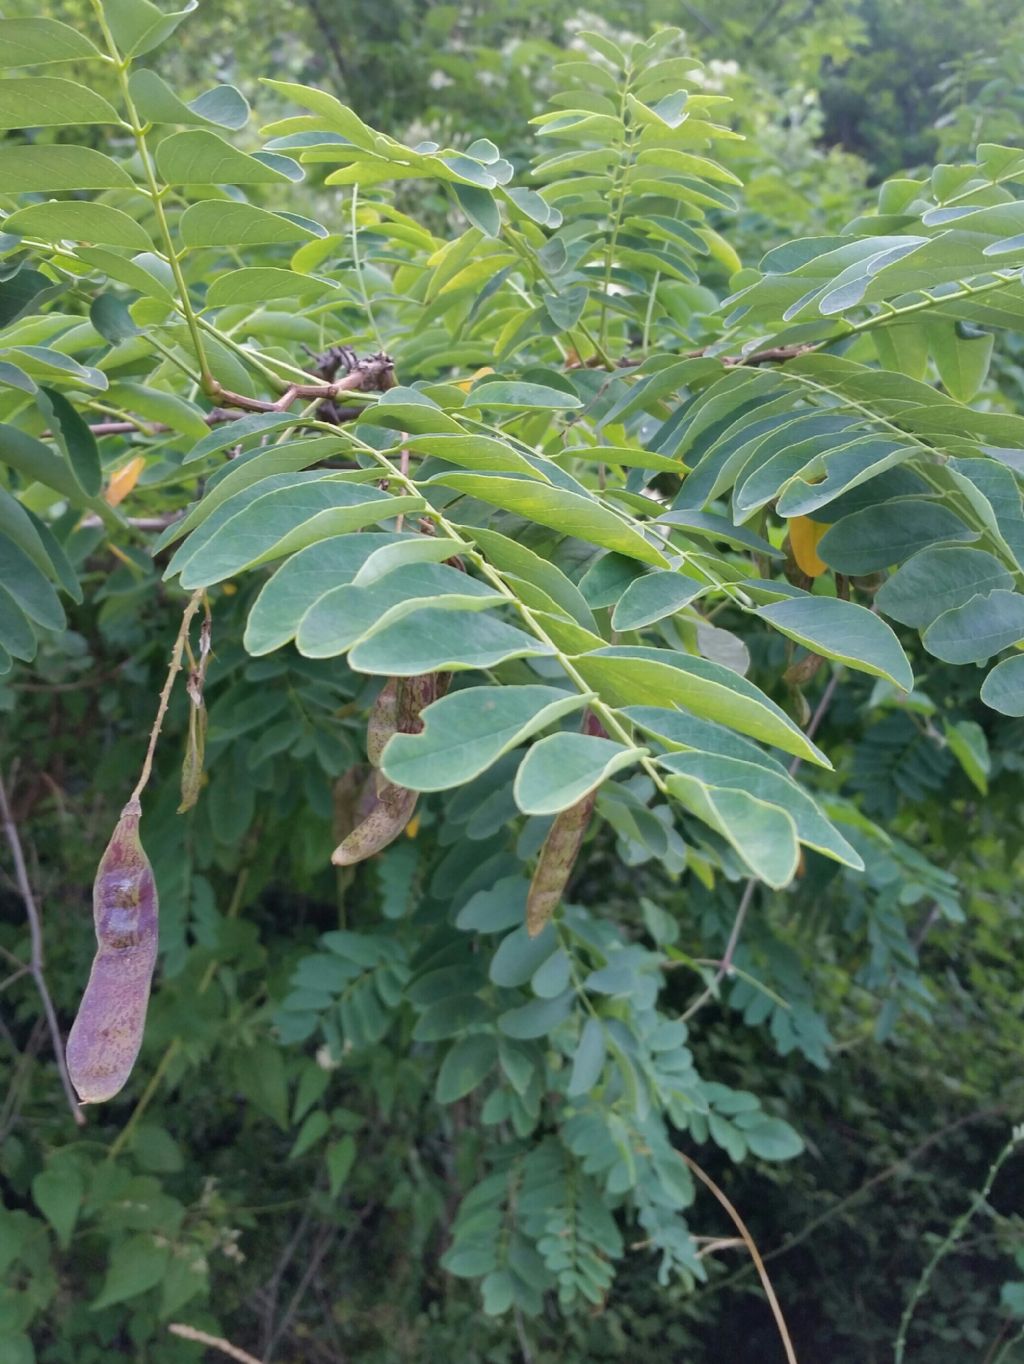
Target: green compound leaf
[843,631]
[560,770]
[625,675]
[1003,688]
[654,596]
[763,834]
[569,512]
[353,612]
[49,102]
[936,580]
[448,641]
[466,732]
[983,626]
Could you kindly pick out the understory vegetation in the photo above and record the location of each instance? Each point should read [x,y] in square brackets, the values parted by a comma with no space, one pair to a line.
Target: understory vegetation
[511,532]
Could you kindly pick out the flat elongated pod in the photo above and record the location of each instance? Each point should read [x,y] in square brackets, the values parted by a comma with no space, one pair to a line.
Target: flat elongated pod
[383,809]
[107,1032]
[386,809]
[383,720]
[555,863]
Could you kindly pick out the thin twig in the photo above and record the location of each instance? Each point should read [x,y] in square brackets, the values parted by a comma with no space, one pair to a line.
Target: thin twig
[880,1177]
[1004,1353]
[22,1067]
[35,965]
[377,372]
[178,1328]
[755,1255]
[273,1288]
[14,977]
[525,1348]
[403,465]
[717,1243]
[165,695]
[946,1245]
[326,1240]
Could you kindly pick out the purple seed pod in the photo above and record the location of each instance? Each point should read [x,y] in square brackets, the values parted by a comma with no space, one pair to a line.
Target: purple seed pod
[107,1032]
[555,863]
[385,810]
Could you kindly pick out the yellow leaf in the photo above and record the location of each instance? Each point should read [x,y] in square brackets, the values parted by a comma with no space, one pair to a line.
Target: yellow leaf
[804,535]
[721,250]
[467,384]
[124,481]
[413,827]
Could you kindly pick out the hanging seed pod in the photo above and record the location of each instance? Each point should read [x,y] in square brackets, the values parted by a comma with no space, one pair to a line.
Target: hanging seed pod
[195,750]
[383,720]
[386,810]
[800,673]
[346,796]
[555,863]
[560,851]
[195,746]
[107,1032]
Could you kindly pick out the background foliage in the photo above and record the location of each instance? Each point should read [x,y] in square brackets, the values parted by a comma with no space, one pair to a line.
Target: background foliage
[371,1118]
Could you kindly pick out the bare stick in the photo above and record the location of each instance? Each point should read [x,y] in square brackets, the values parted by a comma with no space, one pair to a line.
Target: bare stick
[165,695]
[35,965]
[178,1328]
[755,1255]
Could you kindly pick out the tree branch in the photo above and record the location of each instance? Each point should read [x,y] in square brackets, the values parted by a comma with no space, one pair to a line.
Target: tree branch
[755,1255]
[375,373]
[35,965]
[178,1328]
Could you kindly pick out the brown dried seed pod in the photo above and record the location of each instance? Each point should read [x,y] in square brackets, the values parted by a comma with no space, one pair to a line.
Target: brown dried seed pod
[385,809]
[555,863]
[801,672]
[107,1032]
[347,792]
[195,751]
[383,720]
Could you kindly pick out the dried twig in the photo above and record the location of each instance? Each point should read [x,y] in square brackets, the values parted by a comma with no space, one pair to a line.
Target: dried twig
[165,695]
[880,1177]
[376,372]
[35,964]
[771,355]
[755,1255]
[178,1328]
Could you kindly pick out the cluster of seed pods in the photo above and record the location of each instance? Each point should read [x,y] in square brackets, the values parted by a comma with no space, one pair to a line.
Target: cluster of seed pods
[107,1032]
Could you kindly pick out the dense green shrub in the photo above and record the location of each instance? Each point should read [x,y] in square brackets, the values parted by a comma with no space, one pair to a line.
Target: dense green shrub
[515,512]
